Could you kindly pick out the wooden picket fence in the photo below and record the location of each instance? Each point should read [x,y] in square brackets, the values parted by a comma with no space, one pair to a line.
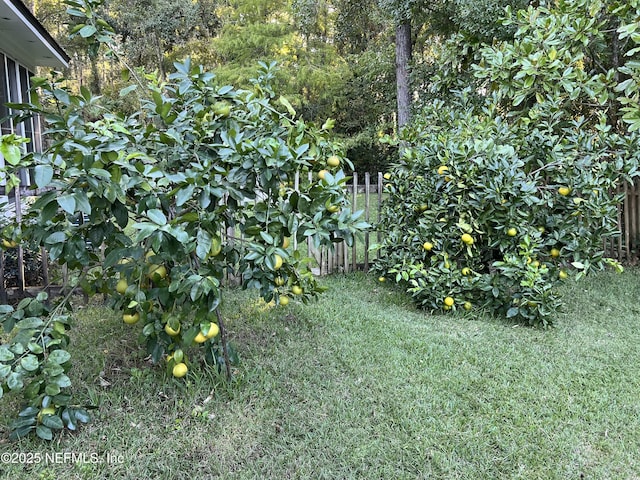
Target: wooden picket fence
[366,192]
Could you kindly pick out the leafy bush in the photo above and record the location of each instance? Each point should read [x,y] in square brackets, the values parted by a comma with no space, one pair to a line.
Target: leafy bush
[200,182]
[508,188]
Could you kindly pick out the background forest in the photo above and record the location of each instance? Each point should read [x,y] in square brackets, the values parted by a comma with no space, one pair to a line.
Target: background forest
[337,58]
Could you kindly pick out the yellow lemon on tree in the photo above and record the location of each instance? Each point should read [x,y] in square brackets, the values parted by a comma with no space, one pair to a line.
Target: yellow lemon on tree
[200,338]
[387,176]
[286,241]
[8,243]
[333,208]
[214,330]
[466,271]
[564,191]
[180,370]
[130,318]
[170,331]
[442,169]
[216,246]
[467,305]
[428,246]
[512,232]
[322,174]
[467,239]
[284,301]
[535,264]
[278,262]
[157,272]
[296,290]
[382,279]
[449,301]
[45,411]
[562,275]
[555,253]
[333,161]
[122,285]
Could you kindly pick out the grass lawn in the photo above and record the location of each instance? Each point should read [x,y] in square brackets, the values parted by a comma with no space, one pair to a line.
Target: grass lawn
[361,385]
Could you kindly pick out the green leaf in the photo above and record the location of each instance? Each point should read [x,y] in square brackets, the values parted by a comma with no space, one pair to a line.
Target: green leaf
[184,194]
[6,355]
[283,101]
[10,152]
[56,237]
[87,31]
[14,381]
[61,380]
[59,357]
[30,363]
[44,433]
[126,91]
[29,323]
[157,216]
[68,203]
[52,389]
[52,421]
[5,370]
[82,202]
[43,174]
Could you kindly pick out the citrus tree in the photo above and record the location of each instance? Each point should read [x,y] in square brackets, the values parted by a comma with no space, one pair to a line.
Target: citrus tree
[509,189]
[155,209]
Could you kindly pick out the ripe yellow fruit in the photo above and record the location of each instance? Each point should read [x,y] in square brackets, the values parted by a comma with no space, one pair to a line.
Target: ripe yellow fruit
[423,207]
[9,243]
[428,246]
[121,286]
[467,305]
[442,169]
[512,232]
[382,279]
[278,263]
[130,318]
[555,253]
[170,331]
[180,370]
[466,271]
[296,290]
[279,281]
[387,176]
[449,301]
[322,173]
[45,411]
[333,161]
[563,275]
[564,191]
[216,247]
[535,264]
[221,109]
[286,241]
[467,239]
[213,330]
[156,272]
[284,301]
[200,338]
[333,208]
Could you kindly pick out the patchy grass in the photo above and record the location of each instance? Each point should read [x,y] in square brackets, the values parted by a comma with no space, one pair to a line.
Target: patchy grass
[361,385]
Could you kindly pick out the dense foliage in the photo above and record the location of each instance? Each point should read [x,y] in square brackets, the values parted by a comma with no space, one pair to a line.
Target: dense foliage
[510,187]
[155,208]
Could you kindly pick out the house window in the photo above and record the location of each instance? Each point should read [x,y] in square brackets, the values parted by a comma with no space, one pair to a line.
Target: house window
[14,88]
[5,121]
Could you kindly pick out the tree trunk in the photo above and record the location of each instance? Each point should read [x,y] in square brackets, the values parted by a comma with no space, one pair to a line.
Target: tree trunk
[403,59]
